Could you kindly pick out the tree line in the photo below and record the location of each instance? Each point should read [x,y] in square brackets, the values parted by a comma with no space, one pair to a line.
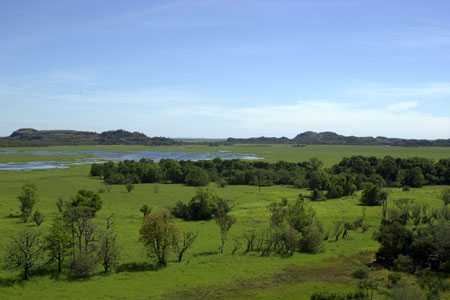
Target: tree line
[342,179]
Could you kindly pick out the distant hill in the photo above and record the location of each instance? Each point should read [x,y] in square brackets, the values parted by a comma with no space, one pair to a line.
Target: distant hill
[33,137]
[332,138]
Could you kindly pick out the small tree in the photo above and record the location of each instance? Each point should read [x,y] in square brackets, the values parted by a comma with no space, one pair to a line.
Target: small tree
[184,243]
[24,252]
[38,218]
[158,233]
[373,195]
[224,221]
[145,210]
[58,242]
[129,187]
[108,249]
[27,198]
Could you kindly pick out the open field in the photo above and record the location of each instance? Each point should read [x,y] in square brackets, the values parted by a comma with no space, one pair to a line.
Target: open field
[204,274]
[328,154]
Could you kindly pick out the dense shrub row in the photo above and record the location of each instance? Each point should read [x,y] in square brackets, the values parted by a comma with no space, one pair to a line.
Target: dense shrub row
[342,179]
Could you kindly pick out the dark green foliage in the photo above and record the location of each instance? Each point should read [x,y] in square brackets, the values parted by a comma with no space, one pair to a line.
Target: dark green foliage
[196,176]
[395,240]
[27,198]
[202,206]
[373,195]
[38,218]
[343,179]
[145,210]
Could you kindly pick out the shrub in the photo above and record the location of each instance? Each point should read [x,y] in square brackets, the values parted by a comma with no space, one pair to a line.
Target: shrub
[196,176]
[201,207]
[38,218]
[373,195]
[361,273]
[83,266]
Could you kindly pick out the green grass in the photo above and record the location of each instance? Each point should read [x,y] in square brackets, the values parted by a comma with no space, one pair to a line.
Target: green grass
[204,274]
[328,154]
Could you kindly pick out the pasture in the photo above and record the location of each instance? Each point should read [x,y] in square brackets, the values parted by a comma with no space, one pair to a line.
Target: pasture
[204,274]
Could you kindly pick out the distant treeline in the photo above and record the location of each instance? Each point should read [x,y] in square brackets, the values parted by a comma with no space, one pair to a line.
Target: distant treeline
[332,138]
[344,178]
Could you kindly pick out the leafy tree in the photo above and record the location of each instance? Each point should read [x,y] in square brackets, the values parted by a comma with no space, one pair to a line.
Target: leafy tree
[38,218]
[373,195]
[25,252]
[108,248]
[58,242]
[196,176]
[395,240]
[224,221]
[27,198]
[201,207]
[158,233]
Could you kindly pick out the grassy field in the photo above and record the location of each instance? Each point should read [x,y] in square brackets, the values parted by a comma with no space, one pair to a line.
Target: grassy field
[204,274]
[328,154]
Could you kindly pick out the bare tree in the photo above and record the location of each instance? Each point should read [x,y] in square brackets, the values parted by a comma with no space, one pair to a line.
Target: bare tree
[108,248]
[224,221]
[183,243]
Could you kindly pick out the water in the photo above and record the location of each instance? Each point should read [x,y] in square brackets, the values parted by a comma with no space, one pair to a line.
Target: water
[98,156]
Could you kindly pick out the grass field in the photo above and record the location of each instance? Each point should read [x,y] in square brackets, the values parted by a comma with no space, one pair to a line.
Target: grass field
[328,154]
[204,274]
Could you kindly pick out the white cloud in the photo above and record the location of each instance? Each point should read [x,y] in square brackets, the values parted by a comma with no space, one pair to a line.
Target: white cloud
[402,106]
[288,120]
[435,90]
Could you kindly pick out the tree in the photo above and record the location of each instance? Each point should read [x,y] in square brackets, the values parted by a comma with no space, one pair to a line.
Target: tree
[196,176]
[27,198]
[129,187]
[157,234]
[224,221]
[395,240]
[25,252]
[373,195]
[58,242]
[145,210]
[108,249]
[184,243]
[38,218]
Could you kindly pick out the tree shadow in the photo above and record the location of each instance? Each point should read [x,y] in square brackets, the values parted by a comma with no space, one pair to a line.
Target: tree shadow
[137,267]
[206,253]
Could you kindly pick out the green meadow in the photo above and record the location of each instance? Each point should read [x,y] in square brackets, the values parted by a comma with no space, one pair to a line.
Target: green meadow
[204,274]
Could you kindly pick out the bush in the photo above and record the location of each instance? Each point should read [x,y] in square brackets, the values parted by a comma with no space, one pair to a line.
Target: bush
[373,195]
[196,176]
[312,238]
[361,273]
[83,266]
[38,218]
[201,207]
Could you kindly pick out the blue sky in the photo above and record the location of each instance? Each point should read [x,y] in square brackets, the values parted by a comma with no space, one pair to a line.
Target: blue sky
[204,68]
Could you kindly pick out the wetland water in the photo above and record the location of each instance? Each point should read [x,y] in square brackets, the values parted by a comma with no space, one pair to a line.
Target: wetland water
[98,156]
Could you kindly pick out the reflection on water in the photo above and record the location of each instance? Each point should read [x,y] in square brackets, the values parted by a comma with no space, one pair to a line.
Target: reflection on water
[106,155]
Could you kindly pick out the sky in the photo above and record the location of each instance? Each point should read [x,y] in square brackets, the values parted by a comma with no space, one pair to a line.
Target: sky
[220,68]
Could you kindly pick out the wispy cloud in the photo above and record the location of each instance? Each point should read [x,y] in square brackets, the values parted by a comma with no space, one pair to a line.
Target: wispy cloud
[402,106]
[436,90]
